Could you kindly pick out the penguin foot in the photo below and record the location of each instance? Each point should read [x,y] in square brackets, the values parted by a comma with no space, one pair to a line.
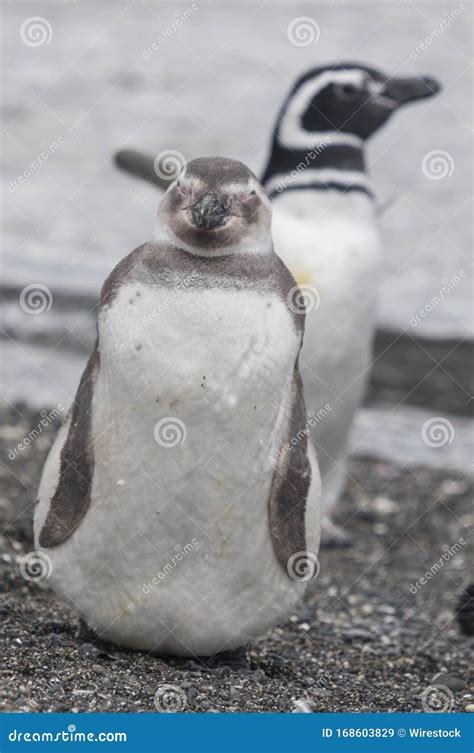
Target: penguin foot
[85,633]
[237,660]
[334,537]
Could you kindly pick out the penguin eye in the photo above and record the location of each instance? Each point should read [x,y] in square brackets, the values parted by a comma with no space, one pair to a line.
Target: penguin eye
[347,91]
[184,190]
[246,195]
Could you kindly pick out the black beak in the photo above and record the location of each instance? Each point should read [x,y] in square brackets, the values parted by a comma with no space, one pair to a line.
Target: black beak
[209,212]
[403,90]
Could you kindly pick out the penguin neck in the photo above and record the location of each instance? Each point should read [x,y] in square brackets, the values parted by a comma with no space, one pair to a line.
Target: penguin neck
[331,164]
[246,246]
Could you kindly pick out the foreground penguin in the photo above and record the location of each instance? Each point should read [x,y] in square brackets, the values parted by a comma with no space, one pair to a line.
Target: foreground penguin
[325,228]
[179,504]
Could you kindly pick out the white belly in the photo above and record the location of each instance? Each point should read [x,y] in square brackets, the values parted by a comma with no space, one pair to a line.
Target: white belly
[330,244]
[174,554]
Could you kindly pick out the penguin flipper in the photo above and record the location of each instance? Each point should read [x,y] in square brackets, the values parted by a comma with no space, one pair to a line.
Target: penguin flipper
[291,484]
[72,497]
[141,165]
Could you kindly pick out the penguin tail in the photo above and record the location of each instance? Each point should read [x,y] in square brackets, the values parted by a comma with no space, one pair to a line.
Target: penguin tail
[141,165]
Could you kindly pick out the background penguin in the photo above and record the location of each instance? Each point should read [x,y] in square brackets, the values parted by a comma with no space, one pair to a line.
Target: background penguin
[175,514]
[326,230]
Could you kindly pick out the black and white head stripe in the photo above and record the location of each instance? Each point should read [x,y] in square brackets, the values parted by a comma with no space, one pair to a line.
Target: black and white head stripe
[293,128]
[319,179]
[322,127]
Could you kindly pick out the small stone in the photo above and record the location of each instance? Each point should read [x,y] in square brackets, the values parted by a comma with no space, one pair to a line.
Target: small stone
[384,505]
[452,488]
[357,635]
[192,692]
[301,706]
[450,681]
[234,694]
[470,707]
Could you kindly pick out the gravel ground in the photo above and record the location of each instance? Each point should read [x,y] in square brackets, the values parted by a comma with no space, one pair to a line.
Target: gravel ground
[366,639]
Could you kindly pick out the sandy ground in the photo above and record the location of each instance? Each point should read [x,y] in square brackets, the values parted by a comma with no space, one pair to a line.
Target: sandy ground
[366,639]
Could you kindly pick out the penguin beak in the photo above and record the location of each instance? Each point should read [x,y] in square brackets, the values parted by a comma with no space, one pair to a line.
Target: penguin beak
[209,212]
[400,91]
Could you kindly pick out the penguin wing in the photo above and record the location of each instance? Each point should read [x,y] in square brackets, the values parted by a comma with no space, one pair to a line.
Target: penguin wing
[291,482]
[72,496]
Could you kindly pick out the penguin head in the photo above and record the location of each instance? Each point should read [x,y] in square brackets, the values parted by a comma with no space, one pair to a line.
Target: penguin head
[349,98]
[216,205]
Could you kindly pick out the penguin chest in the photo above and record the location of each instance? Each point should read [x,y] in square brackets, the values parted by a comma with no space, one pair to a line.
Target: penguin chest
[190,408]
[184,349]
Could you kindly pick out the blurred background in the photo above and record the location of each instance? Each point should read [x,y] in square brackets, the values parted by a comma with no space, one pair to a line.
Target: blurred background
[208,78]
[84,79]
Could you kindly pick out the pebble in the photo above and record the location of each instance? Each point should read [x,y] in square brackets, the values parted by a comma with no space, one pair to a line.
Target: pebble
[301,706]
[385,506]
[450,681]
[361,635]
